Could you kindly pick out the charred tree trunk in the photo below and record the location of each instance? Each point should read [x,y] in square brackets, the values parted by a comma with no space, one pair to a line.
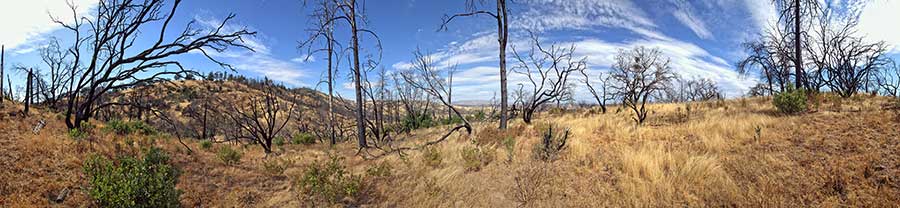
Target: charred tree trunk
[798,52]
[28,92]
[2,62]
[357,78]
[502,34]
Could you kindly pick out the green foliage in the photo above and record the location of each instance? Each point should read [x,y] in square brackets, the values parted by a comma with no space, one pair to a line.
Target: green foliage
[303,138]
[278,141]
[205,144]
[553,141]
[452,120]
[129,127]
[276,166]
[475,157]
[228,156]
[329,182]
[791,101]
[432,157]
[510,144]
[132,182]
[78,134]
[415,121]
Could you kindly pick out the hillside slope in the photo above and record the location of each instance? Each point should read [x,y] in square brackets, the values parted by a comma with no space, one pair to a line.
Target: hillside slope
[733,153]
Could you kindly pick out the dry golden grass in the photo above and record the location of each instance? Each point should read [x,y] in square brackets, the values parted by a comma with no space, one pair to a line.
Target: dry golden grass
[844,153]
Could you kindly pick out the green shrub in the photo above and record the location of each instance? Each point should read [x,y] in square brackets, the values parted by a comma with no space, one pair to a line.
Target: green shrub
[329,182]
[132,182]
[205,144]
[474,157]
[432,157]
[303,138]
[415,121]
[77,134]
[278,141]
[553,141]
[228,156]
[791,101]
[276,166]
[129,127]
[510,144]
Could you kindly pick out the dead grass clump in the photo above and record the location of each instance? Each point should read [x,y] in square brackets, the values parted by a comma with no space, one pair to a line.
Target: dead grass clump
[531,183]
[491,136]
[432,157]
[476,157]
[652,176]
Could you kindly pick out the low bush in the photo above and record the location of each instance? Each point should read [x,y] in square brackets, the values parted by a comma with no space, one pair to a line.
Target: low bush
[228,156]
[132,182]
[491,136]
[129,127]
[791,101]
[276,166]
[552,142]
[278,141]
[475,157]
[303,138]
[380,170]
[205,144]
[510,145]
[77,134]
[329,182]
[432,157]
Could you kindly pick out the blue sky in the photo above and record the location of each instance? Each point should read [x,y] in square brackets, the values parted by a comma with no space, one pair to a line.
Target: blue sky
[702,38]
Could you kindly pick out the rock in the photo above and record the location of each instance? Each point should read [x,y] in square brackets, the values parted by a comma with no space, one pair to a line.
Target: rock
[62,195]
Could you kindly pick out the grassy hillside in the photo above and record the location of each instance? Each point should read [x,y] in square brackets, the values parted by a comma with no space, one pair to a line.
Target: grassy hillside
[728,153]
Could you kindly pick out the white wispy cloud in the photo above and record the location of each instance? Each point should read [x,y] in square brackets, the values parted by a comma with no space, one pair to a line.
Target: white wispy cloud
[260,61]
[582,14]
[27,23]
[684,12]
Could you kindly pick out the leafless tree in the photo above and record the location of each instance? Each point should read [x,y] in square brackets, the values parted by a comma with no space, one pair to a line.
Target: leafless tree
[428,78]
[52,84]
[702,89]
[639,73]
[322,30]
[501,16]
[113,62]
[261,118]
[349,12]
[795,16]
[602,94]
[765,57]
[888,78]
[846,61]
[2,66]
[548,70]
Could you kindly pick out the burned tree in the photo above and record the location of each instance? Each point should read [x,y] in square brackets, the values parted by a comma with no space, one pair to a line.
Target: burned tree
[501,16]
[348,11]
[766,58]
[793,15]
[2,65]
[888,78]
[106,58]
[846,62]
[604,95]
[261,118]
[547,70]
[322,29]
[639,73]
[52,84]
[428,78]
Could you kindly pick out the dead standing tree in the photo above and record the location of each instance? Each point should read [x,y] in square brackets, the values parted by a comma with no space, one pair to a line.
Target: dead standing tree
[425,76]
[640,73]
[52,84]
[261,118]
[501,16]
[347,10]
[547,70]
[793,15]
[604,95]
[847,63]
[113,62]
[322,29]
